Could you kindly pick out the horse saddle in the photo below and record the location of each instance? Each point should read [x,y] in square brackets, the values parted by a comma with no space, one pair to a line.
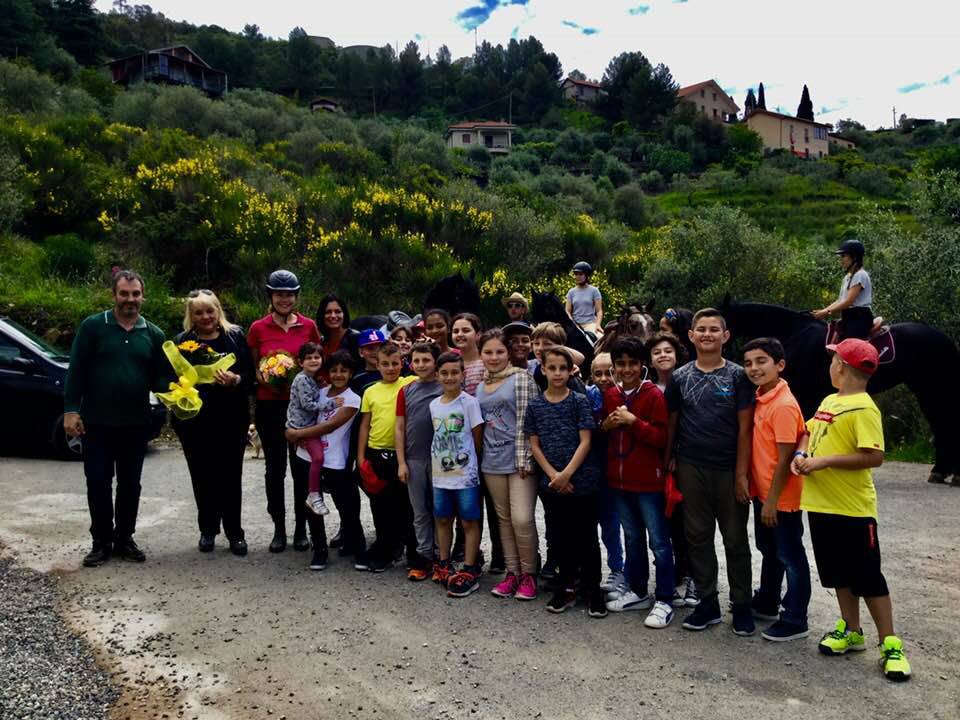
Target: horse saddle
[880,337]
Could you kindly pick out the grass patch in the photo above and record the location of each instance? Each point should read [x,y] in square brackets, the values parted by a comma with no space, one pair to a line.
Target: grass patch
[916,451]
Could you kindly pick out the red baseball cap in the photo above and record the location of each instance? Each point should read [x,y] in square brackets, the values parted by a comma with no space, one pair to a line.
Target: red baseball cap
[858,354]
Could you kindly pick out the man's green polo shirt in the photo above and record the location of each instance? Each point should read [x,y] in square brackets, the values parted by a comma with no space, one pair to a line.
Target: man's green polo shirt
[113,370]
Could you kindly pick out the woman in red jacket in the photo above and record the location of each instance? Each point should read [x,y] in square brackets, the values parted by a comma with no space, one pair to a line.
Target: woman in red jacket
[635,416]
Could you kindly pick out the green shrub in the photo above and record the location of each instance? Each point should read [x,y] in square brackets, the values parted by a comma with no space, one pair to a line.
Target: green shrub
[68,256]
[632,207]
[618,172]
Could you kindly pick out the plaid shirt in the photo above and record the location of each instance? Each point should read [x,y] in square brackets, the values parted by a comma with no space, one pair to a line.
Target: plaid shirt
[524,389]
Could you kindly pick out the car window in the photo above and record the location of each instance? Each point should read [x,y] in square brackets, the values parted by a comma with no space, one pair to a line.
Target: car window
[51,351]
[9,350]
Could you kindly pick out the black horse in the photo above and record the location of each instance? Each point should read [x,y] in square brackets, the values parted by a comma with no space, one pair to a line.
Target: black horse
[547,307]
[926,361]
[634,320]
[455,294]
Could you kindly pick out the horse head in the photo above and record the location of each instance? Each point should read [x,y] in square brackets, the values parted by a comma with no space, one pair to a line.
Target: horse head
[455,294]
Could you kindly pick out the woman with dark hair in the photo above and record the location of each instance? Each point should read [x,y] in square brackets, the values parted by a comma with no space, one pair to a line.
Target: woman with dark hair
[333,320]
[677,322]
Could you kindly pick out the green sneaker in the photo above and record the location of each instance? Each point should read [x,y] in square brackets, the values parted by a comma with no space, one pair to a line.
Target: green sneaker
[841,639]
[892,660]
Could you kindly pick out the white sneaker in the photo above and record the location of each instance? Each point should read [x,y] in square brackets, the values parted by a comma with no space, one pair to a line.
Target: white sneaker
[690,596]
[678,601]
[660,616]
[614,580]
[316,504]
[629,601]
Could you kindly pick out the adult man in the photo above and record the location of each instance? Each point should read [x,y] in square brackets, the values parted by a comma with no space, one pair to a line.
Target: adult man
[116,359]
[517,307]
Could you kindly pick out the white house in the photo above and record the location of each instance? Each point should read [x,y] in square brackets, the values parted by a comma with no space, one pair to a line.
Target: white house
[497,137]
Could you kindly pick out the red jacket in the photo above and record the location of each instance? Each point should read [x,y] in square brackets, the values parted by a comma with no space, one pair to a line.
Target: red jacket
[635,452]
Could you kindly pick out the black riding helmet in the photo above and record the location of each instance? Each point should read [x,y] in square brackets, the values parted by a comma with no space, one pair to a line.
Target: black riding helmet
[853,248]
[281,280]
[583,267]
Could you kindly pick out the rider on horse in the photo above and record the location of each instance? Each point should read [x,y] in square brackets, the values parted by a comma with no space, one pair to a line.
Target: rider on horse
[856,294]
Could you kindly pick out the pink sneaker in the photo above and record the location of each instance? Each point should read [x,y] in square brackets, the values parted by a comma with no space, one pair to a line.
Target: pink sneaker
[506,587]
[527,590]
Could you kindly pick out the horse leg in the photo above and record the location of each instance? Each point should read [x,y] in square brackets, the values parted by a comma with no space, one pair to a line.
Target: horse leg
[937,406]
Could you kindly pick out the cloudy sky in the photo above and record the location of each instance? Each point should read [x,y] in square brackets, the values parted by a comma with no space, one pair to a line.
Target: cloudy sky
[860,58]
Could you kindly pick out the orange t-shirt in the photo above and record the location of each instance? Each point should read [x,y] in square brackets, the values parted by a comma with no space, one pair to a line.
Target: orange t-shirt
[776,419]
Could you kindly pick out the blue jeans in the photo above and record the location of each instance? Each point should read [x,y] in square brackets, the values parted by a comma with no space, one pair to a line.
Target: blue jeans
[610,529]
[464,503]
[783,554]
[642,514]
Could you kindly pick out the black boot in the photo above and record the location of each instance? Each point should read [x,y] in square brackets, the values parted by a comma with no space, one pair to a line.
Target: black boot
[98,555]
[279,542]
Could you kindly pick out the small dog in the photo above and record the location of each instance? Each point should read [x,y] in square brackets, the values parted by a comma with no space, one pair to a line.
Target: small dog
[253,440]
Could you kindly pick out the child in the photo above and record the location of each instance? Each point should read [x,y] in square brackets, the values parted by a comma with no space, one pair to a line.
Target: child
[466,332]
[856,294]
[339,406]
[376,445]
[305,405]
[507,468]
[457,433]
[845,442]
[635,416]
[369,344]
[666,354]
[545,336]
[517,337]
[584,303]
[559,424]
[777,519]
[414,434]
[436,326]
[602,379]
[402,335]
[711,418]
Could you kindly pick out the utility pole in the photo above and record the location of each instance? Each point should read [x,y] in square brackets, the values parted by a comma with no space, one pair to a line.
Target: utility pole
[894,117]
[510,107]
[474,40]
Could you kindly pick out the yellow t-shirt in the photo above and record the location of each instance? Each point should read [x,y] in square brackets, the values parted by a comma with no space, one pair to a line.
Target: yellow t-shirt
[841,426]
[380,400]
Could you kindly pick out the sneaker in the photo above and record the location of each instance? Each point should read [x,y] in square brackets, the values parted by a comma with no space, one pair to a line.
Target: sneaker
[206,543]
[690,596]
[629,601]
[561,600]
[300,542]
[464,582]
[892,660]
[507,587]
[841,640]
[597,606]
[316,504]
[677,600]
[337,540]
[619,590]
[442,571]
[614,580]
[526,588]
[419,570]
[128,550]
[707,613]
[319,561]
[660,616]
[279,542]
[98,555]
[764,610]
[238,547]
[378,563]
[361,561]
[783,631]
[743,624]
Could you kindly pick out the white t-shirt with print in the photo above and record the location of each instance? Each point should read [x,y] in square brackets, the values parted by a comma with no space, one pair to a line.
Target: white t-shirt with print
[336,444]
[453,453]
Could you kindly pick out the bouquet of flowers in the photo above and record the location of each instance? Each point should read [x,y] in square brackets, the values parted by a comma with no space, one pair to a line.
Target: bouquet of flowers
[277,370]
[198,353]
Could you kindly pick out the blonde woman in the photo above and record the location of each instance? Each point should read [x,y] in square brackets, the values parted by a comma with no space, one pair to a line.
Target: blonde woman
[214,441]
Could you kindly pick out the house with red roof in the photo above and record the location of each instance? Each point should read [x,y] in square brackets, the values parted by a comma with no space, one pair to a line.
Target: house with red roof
[709,99]
[580,91]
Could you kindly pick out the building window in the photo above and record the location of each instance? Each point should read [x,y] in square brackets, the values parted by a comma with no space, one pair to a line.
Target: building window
[714,112]
[465,138]
[703,93]
[703,109]
[806,135]
[714,97]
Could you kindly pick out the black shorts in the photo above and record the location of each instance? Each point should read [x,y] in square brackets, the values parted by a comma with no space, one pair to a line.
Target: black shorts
[847,551]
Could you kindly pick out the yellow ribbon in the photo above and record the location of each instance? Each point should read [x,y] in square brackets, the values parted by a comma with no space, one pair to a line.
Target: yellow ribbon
[184,399]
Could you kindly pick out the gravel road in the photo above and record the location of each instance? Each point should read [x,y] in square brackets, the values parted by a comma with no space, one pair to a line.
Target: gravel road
[215,636]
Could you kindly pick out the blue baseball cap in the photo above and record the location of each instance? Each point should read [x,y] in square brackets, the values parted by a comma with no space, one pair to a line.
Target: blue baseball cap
[371,337]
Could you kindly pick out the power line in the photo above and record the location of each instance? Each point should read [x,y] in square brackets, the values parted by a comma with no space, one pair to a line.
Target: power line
[480,107]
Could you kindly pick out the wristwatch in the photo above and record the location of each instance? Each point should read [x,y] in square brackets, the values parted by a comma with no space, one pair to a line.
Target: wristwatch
[801,453]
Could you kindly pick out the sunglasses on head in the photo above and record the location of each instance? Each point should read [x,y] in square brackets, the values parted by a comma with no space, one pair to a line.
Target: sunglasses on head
[198,293]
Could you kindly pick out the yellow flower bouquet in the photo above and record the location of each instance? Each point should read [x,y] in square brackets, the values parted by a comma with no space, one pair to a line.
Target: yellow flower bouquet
[277,369]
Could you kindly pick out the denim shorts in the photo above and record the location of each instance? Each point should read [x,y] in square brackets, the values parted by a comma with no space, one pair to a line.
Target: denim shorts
[463,503]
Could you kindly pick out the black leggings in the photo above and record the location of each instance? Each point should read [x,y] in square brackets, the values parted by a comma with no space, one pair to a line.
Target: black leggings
[856,322]
[270,419]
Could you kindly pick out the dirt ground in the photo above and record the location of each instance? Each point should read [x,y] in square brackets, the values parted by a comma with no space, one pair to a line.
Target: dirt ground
[215,636]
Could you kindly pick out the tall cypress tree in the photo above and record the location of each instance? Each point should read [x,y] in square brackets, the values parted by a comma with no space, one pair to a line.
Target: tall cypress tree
[750,104]
[805,109]
[761,98]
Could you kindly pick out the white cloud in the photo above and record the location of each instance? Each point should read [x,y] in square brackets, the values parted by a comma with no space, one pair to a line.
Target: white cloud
[854,56]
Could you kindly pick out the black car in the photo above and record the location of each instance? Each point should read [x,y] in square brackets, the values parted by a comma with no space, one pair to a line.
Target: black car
[32,377]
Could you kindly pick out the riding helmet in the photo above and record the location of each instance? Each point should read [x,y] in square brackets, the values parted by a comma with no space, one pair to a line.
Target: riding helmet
[583,267]
[854,248]
[280,280]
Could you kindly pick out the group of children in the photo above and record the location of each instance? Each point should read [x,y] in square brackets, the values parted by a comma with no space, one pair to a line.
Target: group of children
[445,430]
